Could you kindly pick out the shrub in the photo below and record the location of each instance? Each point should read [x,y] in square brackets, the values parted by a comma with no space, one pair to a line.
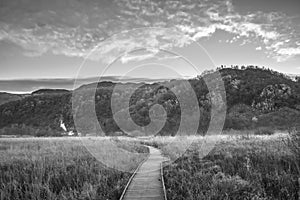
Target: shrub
[235,187]
[264,131]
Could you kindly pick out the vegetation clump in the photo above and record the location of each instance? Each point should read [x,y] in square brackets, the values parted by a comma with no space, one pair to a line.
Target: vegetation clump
[264,131]
[256,168]
[251,93]
[62,168]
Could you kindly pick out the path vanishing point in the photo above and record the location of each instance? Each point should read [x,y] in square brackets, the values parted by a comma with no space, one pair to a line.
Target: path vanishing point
[147,181]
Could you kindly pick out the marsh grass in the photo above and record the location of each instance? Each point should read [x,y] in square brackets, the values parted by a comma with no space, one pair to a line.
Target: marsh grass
[237,167]
[63,168]
[229,166]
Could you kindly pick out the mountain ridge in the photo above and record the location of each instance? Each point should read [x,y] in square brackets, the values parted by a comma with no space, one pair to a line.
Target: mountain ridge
[251,92]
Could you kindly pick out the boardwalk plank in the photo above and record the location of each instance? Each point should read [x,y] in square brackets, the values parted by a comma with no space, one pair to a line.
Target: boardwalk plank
[147,183]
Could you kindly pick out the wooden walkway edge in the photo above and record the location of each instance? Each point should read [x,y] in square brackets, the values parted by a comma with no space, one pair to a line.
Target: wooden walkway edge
[162,180]
[147,181]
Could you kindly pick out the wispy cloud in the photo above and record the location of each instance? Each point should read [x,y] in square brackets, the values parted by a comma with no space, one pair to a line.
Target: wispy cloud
[74,28]
[148,54]
[122,43]
[286,53]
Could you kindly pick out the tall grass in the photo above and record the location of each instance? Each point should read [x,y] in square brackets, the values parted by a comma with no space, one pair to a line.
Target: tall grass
[227,166]
[63,168]
[238,167]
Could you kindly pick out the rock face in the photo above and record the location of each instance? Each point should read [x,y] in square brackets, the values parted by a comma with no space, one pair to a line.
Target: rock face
[271,96]
[232,80]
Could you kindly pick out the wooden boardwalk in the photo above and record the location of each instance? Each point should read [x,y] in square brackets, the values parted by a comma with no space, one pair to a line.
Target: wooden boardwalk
[147,182]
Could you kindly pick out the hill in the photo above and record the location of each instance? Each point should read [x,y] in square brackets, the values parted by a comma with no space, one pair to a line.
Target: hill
[255,98]
[50,92]
[7,97]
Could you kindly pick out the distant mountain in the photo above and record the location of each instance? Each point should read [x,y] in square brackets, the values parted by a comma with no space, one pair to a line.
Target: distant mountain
[28,85]
[269,97]
[50,92]
[7,97]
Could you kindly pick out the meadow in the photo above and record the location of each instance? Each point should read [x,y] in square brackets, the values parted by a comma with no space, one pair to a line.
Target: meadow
[229,166]
[63,168]
[232,167]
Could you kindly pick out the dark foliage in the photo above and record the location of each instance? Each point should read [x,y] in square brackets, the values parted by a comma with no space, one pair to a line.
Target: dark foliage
[249,104]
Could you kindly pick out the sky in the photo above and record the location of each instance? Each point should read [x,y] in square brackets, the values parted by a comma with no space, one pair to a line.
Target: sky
[41,40]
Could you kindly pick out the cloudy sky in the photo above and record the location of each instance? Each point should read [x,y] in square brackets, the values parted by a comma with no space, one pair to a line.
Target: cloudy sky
[45,39]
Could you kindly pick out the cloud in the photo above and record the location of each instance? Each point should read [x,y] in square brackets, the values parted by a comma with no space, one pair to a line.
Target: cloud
[74,28]
[144,54]
[120,45]
[129,58]
[286,53]
[289,51]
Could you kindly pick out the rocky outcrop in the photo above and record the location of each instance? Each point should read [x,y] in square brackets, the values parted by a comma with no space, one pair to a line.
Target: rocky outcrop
[271,96]
[232,81]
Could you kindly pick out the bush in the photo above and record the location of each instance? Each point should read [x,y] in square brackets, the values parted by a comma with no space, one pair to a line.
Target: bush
[239,117]
[233,187]
[264,131]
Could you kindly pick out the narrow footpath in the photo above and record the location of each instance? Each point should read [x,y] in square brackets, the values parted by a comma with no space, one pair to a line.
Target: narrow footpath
[147,183]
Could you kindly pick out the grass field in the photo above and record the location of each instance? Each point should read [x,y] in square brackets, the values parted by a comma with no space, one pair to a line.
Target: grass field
[238,167]
[63,168]
[232,166]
